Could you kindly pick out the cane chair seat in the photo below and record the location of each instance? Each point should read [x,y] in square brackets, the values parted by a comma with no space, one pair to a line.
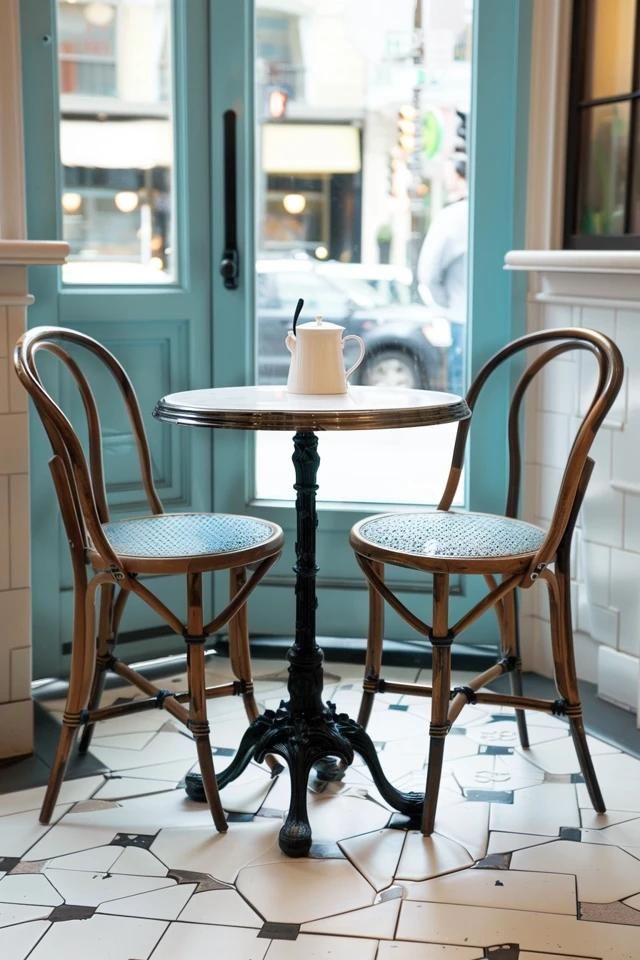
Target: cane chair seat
[443,539]
[143,543]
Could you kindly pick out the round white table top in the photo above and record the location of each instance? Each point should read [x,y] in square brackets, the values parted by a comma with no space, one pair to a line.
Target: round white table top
[274,408]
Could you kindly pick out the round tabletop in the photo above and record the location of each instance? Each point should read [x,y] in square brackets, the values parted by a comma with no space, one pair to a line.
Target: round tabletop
[274,408]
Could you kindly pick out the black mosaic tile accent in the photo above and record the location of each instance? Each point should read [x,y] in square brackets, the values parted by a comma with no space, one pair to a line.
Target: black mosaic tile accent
[502,718]
[457,731]
[8,863]
[119,700]
[489,796]
[577,778]
[270,812]
[493,750]
[494,861]
[279,931]
[195,876]
[71,911]
[502,951]
[223,751]
[398,706]
[326,851]
[240,817]
[142,840]
[570,833]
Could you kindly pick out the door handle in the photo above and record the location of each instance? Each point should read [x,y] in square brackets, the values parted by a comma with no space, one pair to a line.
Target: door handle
[230,263]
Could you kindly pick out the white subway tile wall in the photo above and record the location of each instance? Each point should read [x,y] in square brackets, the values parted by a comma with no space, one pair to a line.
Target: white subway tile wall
[606,566]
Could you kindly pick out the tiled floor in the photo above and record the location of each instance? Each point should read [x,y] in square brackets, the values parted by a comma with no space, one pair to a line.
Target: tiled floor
[519,868]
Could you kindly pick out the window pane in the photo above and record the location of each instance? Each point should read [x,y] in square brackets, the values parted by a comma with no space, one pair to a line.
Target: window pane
[116,140]
[609,48]
[635,196]
[604,147]
[360,155]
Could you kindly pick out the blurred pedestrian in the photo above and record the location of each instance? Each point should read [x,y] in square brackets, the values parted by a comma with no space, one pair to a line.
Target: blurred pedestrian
[442,265]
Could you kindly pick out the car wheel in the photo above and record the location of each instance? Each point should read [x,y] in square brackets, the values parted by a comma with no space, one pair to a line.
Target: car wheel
[392,368]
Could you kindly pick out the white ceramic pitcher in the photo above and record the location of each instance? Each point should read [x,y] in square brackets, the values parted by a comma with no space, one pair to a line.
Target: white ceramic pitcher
[317,361]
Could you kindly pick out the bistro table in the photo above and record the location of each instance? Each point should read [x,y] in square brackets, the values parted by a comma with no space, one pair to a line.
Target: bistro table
[305,731]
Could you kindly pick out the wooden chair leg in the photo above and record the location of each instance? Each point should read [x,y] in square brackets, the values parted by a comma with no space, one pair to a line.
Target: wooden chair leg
[441,688]
[510,643]
[374,648]
[240,657]
[80,678]
[104,644]
[565,670]
[198,721]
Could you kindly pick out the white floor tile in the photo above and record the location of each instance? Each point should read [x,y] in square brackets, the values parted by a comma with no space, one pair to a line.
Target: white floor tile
[466,822]
[124,741]
[173,771]
[20,831]
[17,942]
[248,792]
[163,748]
[559,756]
[506,842]
[296,891]
[29,888]
[505,889]
[187,940]
[404,950]
[378,921]
[221,855]
[140,863]
[12,913]
[333,819]
[122,788]
[589,863]
[224,907]
[90,889]
[535,932]
[164,904]
[98,859]
[314,947]
[542,809]
[504,733]
[425,857]
[70,792]
[375,855]
[101,938]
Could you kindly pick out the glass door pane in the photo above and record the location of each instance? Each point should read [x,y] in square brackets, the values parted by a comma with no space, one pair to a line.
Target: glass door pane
[362,210]
[116,140]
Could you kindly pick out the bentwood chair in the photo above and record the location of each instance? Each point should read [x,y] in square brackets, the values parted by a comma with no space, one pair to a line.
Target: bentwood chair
[110,556]
[509,553]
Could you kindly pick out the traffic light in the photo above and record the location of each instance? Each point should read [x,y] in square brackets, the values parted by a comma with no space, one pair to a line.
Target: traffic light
[407,117]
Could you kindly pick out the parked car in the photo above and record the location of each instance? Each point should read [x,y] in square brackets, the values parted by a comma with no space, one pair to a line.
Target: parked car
[406,342]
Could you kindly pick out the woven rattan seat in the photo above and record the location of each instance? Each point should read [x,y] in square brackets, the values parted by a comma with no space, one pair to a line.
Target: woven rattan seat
[176,536]
[452,536]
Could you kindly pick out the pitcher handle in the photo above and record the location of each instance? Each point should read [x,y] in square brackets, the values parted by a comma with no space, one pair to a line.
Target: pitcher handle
[354,336]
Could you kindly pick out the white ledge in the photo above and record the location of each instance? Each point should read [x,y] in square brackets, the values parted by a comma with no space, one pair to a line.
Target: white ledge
[574,261]
[26,253]
[580,276]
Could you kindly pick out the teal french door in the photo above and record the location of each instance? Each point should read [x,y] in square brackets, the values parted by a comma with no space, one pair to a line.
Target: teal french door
[187,330]
[161,331]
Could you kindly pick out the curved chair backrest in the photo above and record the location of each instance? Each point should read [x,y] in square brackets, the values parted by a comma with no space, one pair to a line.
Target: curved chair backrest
[578,468]
[81,486]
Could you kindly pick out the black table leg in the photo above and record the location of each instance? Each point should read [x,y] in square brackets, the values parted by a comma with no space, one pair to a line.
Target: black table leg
[304,731]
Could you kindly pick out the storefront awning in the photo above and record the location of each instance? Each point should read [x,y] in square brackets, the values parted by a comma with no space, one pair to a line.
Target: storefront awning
[120,145]
[305,148]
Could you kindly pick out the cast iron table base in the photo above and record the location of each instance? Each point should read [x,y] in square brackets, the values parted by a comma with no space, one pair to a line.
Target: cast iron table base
[304,731]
